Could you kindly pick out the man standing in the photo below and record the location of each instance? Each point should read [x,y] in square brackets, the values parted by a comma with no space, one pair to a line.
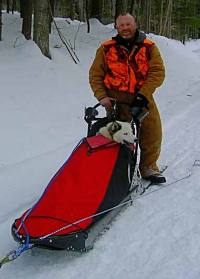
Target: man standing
[129,68]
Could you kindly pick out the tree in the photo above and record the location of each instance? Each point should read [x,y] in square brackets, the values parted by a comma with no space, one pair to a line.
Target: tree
[161,16]
[106,11]
[81,9]
[167,22]
[87,15]
[132,6]
[51,13]
[41,25]
[121,7]
[179,19]
[8,6]
[102,9]
[22,5]
[13,6]
[147,13]
[27,19]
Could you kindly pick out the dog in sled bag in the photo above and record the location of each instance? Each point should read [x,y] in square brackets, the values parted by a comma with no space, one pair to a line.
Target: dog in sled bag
[87,190]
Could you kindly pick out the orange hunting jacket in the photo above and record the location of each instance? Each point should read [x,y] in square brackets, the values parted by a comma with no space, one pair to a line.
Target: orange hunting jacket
[126,71]
[116,69]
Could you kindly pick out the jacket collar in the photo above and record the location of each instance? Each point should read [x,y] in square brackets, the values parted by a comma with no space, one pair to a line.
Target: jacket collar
[130,43]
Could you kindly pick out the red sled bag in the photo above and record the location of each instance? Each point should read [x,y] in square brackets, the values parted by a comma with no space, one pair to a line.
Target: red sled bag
[91,183]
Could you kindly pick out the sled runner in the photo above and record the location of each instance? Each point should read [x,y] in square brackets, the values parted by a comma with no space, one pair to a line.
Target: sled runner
[85,194]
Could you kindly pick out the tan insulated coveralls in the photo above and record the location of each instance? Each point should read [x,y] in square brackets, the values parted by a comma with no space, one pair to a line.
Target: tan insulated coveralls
[151,130]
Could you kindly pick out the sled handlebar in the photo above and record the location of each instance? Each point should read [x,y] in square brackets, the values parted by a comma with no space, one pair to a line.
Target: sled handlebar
[91,113]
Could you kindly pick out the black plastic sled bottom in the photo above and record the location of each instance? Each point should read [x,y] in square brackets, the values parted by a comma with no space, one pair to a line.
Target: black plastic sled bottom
[80,241]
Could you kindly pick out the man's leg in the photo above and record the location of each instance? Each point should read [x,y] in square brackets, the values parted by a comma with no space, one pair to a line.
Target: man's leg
[150,141]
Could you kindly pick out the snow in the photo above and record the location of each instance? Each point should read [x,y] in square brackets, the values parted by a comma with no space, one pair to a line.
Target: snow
[41,119]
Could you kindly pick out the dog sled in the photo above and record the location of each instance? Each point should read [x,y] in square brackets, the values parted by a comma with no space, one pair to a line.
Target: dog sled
[87,192]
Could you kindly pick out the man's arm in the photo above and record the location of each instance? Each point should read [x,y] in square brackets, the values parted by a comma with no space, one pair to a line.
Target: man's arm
[156,73]
[97,73]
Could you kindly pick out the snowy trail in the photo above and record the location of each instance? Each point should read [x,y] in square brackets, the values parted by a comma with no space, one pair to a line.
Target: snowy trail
[185,142]
[151,242]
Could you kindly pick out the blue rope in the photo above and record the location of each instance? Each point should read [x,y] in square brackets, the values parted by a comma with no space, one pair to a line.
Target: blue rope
[21,249]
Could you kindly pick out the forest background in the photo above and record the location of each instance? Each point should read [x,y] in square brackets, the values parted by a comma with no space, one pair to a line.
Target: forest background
[178,19]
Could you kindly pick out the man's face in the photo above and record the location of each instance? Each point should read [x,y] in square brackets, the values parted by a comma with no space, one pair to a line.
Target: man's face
[126,26]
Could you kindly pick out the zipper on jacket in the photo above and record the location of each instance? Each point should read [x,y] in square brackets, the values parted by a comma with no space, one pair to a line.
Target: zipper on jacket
[129,68]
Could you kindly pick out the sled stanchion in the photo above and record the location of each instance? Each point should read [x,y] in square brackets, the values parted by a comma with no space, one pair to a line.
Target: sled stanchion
[90,116]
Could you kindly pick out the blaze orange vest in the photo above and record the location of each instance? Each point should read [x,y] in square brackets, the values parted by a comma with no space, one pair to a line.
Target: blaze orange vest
[127,71]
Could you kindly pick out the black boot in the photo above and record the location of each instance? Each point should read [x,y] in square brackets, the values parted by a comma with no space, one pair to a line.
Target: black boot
[156,178]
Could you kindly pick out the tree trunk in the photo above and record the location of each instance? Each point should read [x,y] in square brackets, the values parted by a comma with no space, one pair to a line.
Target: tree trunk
[13,6]
[121,7]
[41,25]
[161,17]
[87,15]
[167,17]
[8,6]
[22,4]
[131,5]
[95,8]
[51,13]
[106,12]
[0,20]
[81,10]
[73,10]
[27,19]
[148,16]
[138,12]
[169,27]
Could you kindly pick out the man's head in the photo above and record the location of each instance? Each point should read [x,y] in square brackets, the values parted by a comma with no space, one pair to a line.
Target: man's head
[126,25]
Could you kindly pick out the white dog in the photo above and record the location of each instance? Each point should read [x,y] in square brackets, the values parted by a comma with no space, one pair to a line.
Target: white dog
[119,131]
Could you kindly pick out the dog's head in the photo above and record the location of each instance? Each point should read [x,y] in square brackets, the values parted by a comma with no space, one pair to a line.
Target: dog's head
[119,131]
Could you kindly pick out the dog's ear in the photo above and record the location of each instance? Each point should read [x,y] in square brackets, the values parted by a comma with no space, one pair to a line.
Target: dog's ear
[104,131]
[114,127]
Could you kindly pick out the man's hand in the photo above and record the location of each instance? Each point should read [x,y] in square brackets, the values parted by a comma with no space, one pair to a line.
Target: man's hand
[138,105]
[106,102]
[140,101]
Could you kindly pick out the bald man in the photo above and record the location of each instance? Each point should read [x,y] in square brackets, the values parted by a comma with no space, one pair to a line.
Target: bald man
[129,68]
